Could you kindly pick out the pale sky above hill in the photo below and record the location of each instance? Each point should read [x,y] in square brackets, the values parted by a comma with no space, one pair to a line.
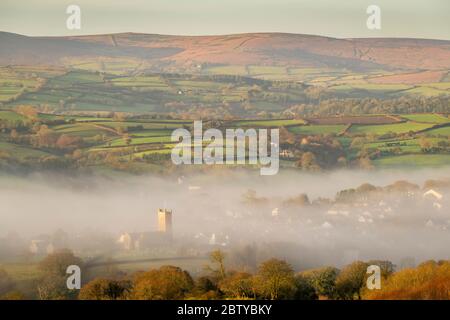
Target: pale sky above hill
[342,19]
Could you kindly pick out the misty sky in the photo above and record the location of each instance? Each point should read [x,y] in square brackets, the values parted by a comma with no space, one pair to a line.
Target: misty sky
[400,18]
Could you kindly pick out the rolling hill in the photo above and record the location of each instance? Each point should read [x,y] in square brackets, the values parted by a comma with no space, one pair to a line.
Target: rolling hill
[180,53]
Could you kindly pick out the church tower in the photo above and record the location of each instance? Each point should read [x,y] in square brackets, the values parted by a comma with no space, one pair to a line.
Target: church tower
[165,221]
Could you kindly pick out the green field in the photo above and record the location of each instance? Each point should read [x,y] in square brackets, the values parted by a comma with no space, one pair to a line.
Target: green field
[372,87]
[386,128]
[116,65]
[150,133]
[408,146]
[267,123]
[427,91]
[227,70]
[21,152]
[426,118]
[90,95]
[413,161]
[145,125]
[81,130]
[362,87]
[17,80]
[317,129]
[10,116]
[405,145]
[154,82]
[121,142]
[440,131]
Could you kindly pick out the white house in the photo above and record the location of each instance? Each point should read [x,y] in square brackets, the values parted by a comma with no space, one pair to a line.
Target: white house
[432,194]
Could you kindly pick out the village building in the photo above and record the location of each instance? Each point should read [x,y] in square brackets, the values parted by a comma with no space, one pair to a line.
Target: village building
[287,154]
[41,247]
[147,240]
[215,239]
[433,195]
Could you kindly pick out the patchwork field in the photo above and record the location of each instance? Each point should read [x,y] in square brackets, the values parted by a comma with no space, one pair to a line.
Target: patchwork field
[17,80]
[115,112]
[140,138]
[245,91]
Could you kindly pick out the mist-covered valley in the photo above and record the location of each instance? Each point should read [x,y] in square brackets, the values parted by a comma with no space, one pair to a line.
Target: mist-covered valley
[305,218]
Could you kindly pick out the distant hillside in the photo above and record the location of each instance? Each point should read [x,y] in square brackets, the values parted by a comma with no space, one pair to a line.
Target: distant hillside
[179,53]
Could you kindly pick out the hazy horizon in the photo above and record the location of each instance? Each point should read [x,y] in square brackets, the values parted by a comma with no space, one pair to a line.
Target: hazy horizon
[217,35]
[400,19]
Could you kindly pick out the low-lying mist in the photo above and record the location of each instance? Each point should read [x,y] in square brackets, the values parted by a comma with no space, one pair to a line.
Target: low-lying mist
[215,203]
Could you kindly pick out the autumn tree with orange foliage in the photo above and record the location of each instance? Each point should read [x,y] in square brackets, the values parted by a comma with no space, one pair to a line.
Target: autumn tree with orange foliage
[429,281]
[27,111]
[165,283]
[105,289]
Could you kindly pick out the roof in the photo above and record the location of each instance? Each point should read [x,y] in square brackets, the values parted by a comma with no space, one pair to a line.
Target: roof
[433,193]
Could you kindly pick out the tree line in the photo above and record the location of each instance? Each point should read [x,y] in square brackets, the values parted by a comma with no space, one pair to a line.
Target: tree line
[274,279]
